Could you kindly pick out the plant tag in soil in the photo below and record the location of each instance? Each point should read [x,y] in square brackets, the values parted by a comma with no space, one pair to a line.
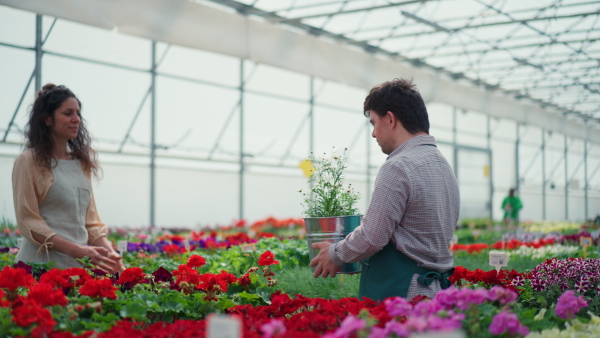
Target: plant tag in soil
[186,244]
[498,259]
[585,241]
[595,234]
[250,247]
[122,246]
[223,326]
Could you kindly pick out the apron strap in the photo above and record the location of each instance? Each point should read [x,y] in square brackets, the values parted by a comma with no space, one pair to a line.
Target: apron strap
[428,276]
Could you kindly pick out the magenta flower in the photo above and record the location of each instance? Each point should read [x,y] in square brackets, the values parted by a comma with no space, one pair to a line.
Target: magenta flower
[436,323]
[427,308]
[582,285]
[568,305]
[273,328]
[518,281]
[503,295]
[348,327]
[398,306]
[507,322]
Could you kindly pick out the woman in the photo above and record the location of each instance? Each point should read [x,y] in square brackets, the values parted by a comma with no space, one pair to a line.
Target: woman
[52,190]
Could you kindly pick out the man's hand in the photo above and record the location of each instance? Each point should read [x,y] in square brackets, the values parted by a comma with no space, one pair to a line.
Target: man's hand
[325,267]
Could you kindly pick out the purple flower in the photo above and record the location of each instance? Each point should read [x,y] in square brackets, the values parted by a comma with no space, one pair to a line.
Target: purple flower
[582,285]
[507,322]
[568,305]
[503,295]
[162,275]
[518,281]
[272,328]
[398,306]
[391,327]
[348,326]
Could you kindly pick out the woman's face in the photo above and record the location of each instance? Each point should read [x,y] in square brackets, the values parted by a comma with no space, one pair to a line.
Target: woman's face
[64,125]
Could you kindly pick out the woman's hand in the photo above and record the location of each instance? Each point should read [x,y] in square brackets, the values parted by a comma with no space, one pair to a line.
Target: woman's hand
[106,260]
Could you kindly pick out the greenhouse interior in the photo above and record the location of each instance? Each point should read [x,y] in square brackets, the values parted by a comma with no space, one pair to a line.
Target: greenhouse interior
[208,118]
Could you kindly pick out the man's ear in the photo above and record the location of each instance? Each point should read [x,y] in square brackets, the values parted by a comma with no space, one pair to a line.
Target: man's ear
[389,116]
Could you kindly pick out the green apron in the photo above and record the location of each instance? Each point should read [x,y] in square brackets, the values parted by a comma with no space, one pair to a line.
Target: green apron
[389,273]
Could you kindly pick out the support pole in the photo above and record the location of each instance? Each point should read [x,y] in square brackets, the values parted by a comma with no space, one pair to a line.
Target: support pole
[242,167]
[585,177]
[454,143]
[38,53]
[490,166]
[566,181]
[153,138]
[311,122]
[517,144]
[368,135]
[543,148]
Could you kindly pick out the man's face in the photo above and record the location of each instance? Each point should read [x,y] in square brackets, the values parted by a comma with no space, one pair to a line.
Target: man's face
[382,130]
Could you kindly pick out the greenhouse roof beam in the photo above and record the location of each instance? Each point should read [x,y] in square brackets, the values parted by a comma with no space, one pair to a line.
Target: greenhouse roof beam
[342,60]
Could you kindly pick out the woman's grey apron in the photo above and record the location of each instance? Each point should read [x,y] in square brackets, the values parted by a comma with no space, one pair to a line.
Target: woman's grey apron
[64,210]
[389,273]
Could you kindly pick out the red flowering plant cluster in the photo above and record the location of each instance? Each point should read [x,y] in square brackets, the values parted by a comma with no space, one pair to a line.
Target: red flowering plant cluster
[29,312]
[515,244]
[486,279]
[470,248]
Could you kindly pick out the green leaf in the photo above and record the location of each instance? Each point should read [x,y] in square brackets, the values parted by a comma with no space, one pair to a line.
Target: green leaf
[135,311]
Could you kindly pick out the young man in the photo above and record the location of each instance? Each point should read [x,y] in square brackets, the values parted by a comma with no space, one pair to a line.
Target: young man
[403,240]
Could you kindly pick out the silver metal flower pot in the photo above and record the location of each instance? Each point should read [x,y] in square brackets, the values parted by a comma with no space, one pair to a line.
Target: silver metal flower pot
[333,230]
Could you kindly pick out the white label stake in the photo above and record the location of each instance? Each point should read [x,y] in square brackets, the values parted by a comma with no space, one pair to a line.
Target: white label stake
[498,259]
[122,247]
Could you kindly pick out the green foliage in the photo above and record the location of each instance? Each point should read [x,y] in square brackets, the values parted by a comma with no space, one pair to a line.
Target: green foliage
[300,280]
[328,197]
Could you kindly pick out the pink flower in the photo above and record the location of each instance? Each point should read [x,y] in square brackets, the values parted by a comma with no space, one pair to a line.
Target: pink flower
[503,295]
[452,323]
[568,305]
[507,322]
[273,328]
[347,328]
[427,308]
[392,326]
[398,306]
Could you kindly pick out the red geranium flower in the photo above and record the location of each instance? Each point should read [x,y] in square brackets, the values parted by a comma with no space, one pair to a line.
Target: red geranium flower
[44,294]
[186,274]
[29,312]
[132,276]
[99,288]
[12,279]
[3,302]
[56,278]
[196,261]
[267,258]
[78,275]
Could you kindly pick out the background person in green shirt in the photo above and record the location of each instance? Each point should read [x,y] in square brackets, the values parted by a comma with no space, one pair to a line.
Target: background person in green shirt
[511,205]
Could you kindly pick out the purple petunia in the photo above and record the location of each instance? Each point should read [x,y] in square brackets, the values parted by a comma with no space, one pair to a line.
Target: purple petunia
[568,305]
[507,322]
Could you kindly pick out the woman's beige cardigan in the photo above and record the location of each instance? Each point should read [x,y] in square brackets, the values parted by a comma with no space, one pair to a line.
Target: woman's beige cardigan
[30,186]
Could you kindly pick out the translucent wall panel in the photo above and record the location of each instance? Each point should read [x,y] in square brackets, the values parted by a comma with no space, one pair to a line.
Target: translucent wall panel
[336,130]
[13,81]
[440,121]
[471,129]
[272,195]
[190,119]
[200,65]
[276,128]
[339,95]
[276,81]
[109,97]
[192,197]
[22,27]
[98,44]
[122,195]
